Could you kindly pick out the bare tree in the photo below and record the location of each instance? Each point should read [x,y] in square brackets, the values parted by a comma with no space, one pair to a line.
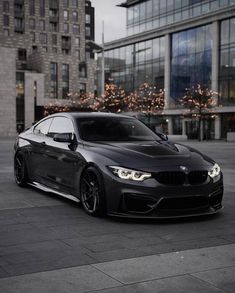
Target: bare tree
[199,99]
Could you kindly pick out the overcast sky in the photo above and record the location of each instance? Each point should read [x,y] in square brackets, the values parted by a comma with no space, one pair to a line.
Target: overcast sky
[114,19]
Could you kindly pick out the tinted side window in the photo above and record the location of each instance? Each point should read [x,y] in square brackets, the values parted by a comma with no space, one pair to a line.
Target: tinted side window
[43,127]
[61,125]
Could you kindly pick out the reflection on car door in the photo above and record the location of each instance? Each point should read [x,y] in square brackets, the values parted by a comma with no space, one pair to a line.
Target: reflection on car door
[62,161]
[38,158]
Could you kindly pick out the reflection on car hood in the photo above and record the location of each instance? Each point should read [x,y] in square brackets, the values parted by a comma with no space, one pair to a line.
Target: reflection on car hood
[151,153]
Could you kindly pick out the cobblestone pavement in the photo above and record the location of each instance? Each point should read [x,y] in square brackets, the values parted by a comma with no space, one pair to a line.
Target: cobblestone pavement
[48,244]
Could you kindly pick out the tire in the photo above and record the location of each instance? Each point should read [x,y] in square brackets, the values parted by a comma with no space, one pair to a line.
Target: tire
[92,192]
[20,170]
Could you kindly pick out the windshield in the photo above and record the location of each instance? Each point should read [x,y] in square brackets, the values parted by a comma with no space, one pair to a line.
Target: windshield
[114,129]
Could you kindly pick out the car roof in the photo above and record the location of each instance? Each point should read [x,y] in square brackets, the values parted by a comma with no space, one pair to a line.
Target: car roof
[89,114]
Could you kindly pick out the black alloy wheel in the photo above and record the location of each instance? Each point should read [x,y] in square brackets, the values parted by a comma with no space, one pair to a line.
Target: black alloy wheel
[20,170]
[92,192]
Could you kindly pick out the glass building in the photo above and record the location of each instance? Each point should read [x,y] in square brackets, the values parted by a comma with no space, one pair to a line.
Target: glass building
[176,44]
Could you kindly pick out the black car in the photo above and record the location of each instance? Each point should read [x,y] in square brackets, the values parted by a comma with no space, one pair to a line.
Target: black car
[114,164]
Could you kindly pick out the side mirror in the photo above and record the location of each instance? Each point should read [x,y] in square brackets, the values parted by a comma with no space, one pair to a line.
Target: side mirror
[64,137]
[162,136]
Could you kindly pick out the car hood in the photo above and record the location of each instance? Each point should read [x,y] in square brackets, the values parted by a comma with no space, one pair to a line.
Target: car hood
[150,155]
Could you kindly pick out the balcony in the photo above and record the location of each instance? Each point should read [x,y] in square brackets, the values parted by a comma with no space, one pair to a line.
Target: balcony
[19,13]
[54,18]
[66,46]
[19,29]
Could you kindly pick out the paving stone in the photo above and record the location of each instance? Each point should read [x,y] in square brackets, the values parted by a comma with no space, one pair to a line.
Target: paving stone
[179,284]
[3,273]
[72,280]
[169,264]
[26,263]
[221,278]
[156,249]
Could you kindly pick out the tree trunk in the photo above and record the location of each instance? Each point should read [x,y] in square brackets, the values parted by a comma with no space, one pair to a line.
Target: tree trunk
[199,124]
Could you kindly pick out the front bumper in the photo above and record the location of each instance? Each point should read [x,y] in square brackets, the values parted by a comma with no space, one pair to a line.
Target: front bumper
[150,199]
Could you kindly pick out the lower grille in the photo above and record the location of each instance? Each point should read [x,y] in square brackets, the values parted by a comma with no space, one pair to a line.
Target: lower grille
[216,199]
[183,203]
[137,204]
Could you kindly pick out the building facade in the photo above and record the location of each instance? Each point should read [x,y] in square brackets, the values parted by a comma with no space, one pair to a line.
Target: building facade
[45,53]
[176,44]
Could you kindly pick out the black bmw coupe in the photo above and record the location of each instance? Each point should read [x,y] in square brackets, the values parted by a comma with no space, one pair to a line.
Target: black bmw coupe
[116,165]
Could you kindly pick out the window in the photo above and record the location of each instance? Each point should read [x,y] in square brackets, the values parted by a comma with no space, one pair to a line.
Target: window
[191,60]
[54,39]
[77,41]
[53,27]
[88,31]
[42,8]
[54,50]
[82,87]
[43,127]
[65,44]
[75,3]
[53,12]
[6,20]
[22,54]
[33,36]
[66,15]
[66,28]
[76,29]
[32,7]
[6,32]
[5,6]
[43,38]
[75,16]
[54,80]
[88,18]
[19,25]
[82,70]
[66,3]
[42,25]
[65,80]
[77,53]
[32,23]
[227,62]
[61,125]
[34,49]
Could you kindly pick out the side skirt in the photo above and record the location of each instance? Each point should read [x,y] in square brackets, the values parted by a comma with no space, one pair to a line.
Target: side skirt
[47,189]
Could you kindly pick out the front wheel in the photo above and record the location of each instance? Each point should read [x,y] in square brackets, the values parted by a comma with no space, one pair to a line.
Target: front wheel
[92,192]
[20,170]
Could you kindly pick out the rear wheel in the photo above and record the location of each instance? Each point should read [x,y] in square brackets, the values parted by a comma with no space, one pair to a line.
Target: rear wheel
[92,192]
[20,170]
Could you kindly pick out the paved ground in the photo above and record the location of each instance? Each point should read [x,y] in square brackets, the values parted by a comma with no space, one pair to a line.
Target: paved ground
[48,244]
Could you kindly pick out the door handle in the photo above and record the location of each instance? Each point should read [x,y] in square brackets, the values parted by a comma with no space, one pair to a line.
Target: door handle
[43,143]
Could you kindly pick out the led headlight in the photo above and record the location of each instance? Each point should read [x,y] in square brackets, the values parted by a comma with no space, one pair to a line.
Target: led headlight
[129,174]
[215,171]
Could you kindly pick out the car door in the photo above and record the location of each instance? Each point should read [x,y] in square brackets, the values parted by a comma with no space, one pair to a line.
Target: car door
[37,155]
[62,160]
